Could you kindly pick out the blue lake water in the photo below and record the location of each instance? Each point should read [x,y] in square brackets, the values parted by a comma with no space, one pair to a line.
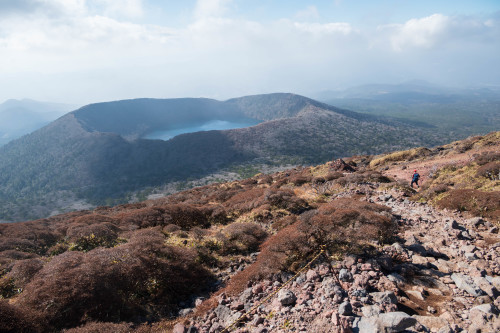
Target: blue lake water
[208,126]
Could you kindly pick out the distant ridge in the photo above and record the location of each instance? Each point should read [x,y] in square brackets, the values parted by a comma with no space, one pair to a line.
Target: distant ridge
[97,153]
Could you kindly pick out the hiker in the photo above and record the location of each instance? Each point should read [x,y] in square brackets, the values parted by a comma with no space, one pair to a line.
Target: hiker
[415,178]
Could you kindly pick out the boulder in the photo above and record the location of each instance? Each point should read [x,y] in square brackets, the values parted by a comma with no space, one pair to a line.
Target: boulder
[286,297]
[384,297]
[386,322]
[466,283]
[345,309]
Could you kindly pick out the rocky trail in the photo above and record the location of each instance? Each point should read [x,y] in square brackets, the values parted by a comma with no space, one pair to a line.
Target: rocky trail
[440,275]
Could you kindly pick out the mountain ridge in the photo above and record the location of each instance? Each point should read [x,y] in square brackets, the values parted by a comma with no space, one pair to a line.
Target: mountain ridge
[96,152]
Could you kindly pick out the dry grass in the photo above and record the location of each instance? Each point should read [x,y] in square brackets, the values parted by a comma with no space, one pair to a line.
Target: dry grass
[405,155]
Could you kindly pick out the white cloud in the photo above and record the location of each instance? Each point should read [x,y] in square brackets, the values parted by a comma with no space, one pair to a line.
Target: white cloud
[309,13]
[211,8]
[437,30]
[326,28]
[121,8]
[104,53]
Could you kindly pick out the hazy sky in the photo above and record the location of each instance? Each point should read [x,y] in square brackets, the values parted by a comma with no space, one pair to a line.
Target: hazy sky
[82,51]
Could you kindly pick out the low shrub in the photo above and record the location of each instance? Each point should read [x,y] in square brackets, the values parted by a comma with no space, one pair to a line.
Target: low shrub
[241,237]
[437,189]
[487,157]
[137,281]
[299,180]
[88,237]
[265,179]
[333,175]
[99,327]
[16,320]
[478,203]
[285,199]
[23,271]
[490,170]
[345,225]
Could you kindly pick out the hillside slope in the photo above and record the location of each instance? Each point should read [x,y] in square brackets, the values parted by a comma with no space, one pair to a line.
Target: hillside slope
[199,259]
[96,153]
[20,117]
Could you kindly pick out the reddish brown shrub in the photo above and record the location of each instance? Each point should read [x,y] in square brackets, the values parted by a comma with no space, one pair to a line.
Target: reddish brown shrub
[215,214]
[139,280]
[299,180]
[88,237]
[171,228]
[333,175]
[23,271]
[186,216]
[487,157]
[478,203]
[145,217]
[286,199]
[99,327]
[17,244]
[248,181]
[246,200]
[242,237]
[15,320]
[344,225]
[375,176]
[490,170]
[265,179]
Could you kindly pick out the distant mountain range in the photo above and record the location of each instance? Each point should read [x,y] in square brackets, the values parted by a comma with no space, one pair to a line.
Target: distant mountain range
[98,153]
[453,111]
[20,117]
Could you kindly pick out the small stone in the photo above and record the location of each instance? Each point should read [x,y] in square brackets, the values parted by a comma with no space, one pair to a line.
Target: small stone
[179,328]
[349,261]
[312,275]
[475,221]
[185,312]
[345,275]
[237,305]
[415,294]
[345,309]
[366,267]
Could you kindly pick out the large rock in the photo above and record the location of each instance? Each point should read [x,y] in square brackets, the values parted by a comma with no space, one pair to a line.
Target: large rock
[466,283]
[179,328]
[384,323]
[384,297]
[345,309]
[225,315]
[431,323]
[286,297]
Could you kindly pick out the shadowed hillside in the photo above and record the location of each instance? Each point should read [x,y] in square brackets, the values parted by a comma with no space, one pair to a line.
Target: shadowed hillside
[96,153]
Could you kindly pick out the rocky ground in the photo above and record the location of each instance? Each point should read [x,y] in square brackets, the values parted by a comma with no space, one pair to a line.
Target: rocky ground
[441,275]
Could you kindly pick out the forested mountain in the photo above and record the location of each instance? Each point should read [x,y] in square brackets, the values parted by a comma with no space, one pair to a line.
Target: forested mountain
[20,117]
[98,153]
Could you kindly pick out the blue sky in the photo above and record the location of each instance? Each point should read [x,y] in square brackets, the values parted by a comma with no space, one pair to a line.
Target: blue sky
[82,51]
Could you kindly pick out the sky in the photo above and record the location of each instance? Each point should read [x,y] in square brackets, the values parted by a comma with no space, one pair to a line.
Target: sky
[86,51]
